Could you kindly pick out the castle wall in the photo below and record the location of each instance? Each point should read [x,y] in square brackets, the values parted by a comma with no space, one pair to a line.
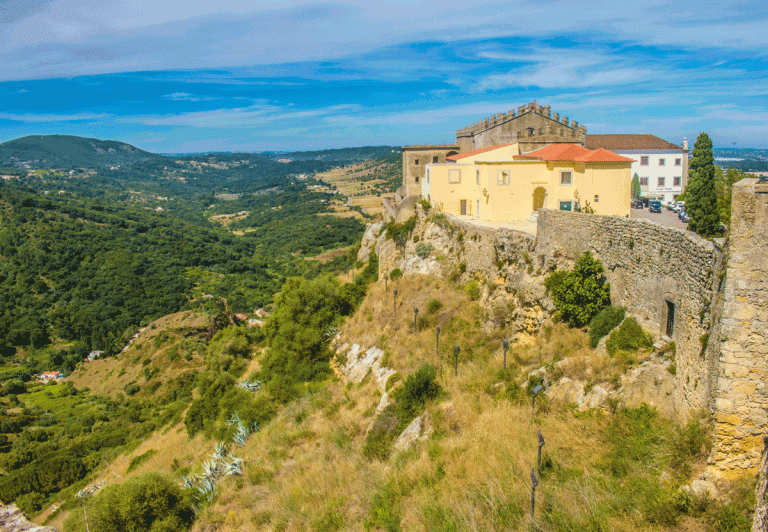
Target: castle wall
[648,266]
[415,161]
[741,395]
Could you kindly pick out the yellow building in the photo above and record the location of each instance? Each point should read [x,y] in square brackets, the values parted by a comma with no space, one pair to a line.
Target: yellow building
[499,184]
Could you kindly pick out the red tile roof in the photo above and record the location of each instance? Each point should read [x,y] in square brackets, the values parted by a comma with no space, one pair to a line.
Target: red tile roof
[633,141]
[574,152]
[464,155]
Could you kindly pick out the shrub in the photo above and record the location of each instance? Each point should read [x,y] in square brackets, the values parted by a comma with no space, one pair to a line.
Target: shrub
[395,274]
[580,294]
[605,321]
[136,461]
[423,250]
[395,231]
[433,306]
[473,289]
[628,338]
[150,502]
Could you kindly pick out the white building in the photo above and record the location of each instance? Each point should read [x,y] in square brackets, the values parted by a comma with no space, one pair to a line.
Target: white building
[661,166]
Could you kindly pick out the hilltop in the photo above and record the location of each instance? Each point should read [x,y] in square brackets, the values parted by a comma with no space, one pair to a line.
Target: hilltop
[66,151]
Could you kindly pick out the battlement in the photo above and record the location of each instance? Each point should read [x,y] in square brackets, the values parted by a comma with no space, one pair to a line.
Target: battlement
[498,119]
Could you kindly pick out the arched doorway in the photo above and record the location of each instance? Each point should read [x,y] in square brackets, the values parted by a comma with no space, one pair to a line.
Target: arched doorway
[539,196]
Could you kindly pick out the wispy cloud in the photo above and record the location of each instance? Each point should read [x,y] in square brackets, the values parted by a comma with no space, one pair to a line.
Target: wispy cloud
[185,96]
[42,118]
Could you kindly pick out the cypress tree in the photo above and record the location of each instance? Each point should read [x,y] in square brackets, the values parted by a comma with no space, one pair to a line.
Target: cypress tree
[701,194]
[636,190]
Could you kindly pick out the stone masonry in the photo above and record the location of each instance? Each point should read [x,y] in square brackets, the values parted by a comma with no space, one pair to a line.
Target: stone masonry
[649,267]
[741,395]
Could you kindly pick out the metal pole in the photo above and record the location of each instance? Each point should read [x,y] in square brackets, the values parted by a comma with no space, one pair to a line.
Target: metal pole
[536,391]
[456,351]
[538,461]
[505,346]
[386,278]
[534,483]
[394,300]
[415,323]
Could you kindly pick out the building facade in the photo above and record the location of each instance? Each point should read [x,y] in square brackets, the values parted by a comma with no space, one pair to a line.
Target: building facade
[499,184]
[661,166]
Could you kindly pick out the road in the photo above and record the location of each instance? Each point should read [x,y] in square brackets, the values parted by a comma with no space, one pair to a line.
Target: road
[665,217]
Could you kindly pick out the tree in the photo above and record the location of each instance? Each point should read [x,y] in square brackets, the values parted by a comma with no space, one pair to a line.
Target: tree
[636,190]
[701,193]
[580,294]
[725,181]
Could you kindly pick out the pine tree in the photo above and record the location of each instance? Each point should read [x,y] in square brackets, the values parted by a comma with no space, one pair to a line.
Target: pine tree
[636,190]
[701,193]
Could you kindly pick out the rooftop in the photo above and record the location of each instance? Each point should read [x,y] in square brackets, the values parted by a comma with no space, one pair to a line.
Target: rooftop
[478,151]
[629,141]
[575,153]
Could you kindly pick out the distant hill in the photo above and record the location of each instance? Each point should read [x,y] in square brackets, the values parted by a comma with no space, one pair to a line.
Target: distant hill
[65,151]
[346,155]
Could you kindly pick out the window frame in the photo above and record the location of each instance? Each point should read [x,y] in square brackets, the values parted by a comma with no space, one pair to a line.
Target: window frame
[661,182]
[677,181]
[570,178]
[644,160]
[662,162]
[503,178]
[678,162]
[454,180]
[643,181]
[435,159]
[416,162]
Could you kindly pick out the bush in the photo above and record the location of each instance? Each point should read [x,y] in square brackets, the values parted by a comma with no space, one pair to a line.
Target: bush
[433,306]
[395,231]
[605,321]
[407,402]
[149,502]
[423,250]
[579,295]
[395,274]
[628,338]
[473,289]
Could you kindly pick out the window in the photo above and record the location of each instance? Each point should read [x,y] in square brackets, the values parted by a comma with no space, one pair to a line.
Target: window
[416,161]
[643,181]
[454,176]
[531,131]
[662,162]
[676,181]
[566,205]
[477,176]
[428,176]
[670,328]
[597,198]
[677,162]
[435,159]
[644,161]
[416,179]
[661,181]
[565,178]
[502,178]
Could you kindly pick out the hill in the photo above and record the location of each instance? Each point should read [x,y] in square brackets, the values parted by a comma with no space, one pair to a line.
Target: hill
[66,151]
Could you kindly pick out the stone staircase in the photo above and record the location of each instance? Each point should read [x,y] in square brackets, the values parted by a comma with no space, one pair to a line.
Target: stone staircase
[534,217]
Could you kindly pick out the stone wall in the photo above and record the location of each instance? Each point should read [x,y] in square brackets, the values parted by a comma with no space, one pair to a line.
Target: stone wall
[648,266]
[741,395]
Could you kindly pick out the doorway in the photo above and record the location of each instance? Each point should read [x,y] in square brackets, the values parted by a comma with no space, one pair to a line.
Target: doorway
[463,207]
[539,195]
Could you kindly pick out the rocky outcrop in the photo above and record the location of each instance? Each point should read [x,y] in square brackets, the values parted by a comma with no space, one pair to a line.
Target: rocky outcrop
[14,520]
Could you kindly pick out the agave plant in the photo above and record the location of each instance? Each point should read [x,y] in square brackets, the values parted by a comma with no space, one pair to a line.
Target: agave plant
[186,482]
[220,451]
[245,384]
[234,419]
[234,468]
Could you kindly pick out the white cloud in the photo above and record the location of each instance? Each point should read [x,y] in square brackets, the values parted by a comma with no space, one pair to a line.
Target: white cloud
[41,118]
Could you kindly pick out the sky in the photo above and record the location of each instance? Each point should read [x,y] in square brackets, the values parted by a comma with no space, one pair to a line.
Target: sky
[243,75]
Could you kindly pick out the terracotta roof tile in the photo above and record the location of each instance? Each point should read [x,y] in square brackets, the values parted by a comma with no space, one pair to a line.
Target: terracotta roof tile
[466,154]
[573,152]
[634,141]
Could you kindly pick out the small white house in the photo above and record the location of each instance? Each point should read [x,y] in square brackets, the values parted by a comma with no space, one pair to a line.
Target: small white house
[661,166]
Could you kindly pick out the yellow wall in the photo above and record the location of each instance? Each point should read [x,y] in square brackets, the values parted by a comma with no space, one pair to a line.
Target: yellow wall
[514,201]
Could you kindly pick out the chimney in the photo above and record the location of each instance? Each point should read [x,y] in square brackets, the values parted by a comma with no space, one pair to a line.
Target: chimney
[685,143]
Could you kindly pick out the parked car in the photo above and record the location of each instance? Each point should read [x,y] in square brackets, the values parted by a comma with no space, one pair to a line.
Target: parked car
[654,206]
[681,214]
[686,218]
[637,204]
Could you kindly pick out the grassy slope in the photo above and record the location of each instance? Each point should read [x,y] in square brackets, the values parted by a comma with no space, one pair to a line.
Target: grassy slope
[305,470]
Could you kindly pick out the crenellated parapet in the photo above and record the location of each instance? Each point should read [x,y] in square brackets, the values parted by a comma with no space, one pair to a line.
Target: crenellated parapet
[532,125]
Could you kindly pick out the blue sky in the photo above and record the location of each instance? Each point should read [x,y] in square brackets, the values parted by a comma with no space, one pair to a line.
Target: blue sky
[244,75]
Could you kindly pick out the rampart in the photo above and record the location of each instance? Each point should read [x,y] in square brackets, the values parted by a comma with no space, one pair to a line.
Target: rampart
[741,395]
[665,276]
